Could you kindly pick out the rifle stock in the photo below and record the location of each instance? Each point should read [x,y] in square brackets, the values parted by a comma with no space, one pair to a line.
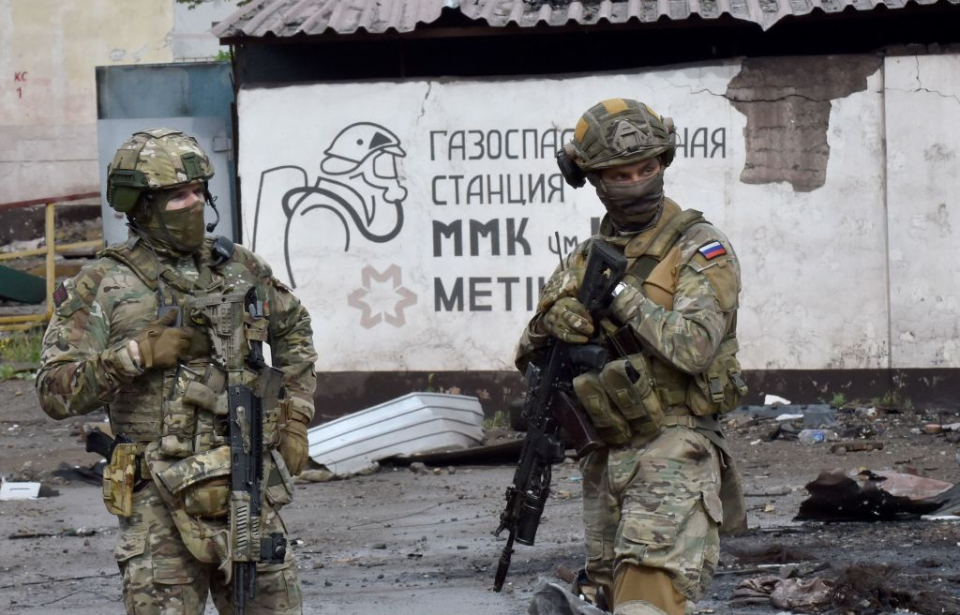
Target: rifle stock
[551,407]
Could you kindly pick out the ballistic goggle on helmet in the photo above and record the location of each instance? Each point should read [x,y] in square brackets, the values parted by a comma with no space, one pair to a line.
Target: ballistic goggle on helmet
[155,159]
[615,132]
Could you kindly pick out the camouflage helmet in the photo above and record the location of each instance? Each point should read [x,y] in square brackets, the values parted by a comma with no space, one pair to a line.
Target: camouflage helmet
[154,159]
[621,131]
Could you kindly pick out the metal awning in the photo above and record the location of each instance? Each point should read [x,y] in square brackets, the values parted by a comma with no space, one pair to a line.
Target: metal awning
[287,18]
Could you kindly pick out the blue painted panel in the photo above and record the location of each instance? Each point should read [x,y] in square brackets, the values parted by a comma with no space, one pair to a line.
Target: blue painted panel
[202,89]
[194,97]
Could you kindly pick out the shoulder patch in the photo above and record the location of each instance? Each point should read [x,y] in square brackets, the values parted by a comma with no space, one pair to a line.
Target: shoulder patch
[60,295]
[280,285]
[711,250]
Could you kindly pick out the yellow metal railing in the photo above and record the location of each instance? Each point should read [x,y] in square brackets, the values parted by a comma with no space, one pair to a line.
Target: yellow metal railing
[26,321]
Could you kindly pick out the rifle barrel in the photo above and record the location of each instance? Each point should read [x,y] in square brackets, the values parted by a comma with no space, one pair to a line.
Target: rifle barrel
[504,564]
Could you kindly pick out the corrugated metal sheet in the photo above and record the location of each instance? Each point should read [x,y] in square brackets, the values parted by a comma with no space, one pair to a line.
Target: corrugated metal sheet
[291,17]
[284,18]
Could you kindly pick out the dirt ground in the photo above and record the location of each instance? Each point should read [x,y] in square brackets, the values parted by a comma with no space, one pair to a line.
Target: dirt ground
[407,543]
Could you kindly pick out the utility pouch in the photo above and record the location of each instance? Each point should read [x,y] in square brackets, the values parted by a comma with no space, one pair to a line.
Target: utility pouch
[209,398]
[720,387]
[178,419]
[625,342]
[279,484]
[119,477]
[628,383]
[202,481]
[611,426]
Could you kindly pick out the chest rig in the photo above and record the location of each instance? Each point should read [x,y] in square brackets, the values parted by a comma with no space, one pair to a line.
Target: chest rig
[227,304]
[653,267]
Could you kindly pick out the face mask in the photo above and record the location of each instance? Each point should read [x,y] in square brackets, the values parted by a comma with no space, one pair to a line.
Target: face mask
[635,206]
[180,231]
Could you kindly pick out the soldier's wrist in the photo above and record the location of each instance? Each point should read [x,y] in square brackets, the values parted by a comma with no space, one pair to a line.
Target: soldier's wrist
[133,348]
[119,362]
[626,304]
[537,328]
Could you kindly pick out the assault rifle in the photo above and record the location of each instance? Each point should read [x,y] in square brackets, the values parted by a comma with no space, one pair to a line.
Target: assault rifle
[551,406]
[246,409]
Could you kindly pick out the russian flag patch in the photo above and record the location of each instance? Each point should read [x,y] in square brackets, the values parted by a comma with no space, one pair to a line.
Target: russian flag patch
[712,250]
[60,295]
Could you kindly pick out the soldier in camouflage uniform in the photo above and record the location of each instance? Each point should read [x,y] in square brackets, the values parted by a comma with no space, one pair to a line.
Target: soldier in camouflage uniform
[655,497]
[154,330]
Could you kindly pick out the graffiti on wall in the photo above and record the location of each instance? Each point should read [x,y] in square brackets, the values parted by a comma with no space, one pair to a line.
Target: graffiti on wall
[359,184]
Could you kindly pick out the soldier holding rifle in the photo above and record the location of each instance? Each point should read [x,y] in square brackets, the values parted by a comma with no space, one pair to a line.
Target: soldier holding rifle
[659,482]
[166,331]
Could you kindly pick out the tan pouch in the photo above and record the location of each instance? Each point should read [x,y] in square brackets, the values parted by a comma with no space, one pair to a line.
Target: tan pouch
[209,499]
[610,424]
[203,481]
[720,387]
[118,479]
[278,484]
[628,383]
[178,419]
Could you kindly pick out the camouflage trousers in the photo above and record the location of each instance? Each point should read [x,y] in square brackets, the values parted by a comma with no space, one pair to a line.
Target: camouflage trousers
[161,577]
[656,506]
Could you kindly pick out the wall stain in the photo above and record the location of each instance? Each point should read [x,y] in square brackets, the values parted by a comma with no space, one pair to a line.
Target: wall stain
[787,105]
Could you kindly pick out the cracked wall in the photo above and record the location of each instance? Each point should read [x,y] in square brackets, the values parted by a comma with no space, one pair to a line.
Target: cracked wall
[787,104]
[813,264]
[922,97]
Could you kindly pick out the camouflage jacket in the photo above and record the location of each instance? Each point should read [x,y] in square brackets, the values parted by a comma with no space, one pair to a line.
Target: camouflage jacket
[85,361]
[686,305]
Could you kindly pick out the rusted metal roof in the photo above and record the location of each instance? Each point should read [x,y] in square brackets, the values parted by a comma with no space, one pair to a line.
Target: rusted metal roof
[285,18]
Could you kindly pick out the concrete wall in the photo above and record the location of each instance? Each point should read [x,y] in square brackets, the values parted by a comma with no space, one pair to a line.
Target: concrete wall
[191,39]
[48,113]
[785,155]
[48,103]
[922,98]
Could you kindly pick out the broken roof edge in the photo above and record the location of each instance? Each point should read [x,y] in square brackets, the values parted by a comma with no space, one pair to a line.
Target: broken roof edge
[477,29]
[243,32]
[457,20]
[766,21]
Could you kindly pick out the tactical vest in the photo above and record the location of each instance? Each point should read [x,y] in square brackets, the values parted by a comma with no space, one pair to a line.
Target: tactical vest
[214,302]
[673,397]
[716,390]
[182,437]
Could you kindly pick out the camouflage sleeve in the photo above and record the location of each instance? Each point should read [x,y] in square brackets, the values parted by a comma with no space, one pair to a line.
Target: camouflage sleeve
[707,289]
[80,371]
[291,342]
[564,282]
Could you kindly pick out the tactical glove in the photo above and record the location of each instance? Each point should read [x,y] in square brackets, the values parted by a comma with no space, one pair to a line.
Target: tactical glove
[161,345]
[569,321]
[564,284]
[294,447]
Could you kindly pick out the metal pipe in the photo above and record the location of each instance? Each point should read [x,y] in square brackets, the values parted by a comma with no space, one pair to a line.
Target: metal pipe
[25,321]
[20,327]
[93,243]
[23,318]
[56,199]
[51,238]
